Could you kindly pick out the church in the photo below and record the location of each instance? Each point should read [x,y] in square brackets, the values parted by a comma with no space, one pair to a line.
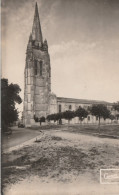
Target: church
[38,99]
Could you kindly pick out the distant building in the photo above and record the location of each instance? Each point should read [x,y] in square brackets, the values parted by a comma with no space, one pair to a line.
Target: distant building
[38,99]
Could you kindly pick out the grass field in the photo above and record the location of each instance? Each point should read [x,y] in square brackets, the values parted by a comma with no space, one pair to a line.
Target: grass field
[111,131]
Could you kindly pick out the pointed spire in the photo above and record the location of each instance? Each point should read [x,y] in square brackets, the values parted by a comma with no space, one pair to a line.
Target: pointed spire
[36,29]
[36,10]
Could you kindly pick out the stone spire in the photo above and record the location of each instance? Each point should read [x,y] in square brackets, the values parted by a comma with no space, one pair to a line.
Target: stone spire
[36,29]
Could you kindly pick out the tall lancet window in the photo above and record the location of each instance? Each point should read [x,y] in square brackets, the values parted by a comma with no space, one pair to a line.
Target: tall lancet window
[35,67]
[41,68]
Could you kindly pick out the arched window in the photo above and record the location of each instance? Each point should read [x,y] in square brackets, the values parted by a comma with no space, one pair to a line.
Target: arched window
[41,68]
[35,68]
[70,107]
[60,108]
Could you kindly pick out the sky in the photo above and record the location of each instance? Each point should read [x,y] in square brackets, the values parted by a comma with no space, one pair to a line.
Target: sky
[83,40]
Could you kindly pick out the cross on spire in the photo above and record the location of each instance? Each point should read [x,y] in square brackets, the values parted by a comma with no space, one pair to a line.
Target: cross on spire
[36,29]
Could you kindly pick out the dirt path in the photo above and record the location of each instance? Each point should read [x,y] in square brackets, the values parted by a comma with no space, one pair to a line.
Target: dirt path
[61,163]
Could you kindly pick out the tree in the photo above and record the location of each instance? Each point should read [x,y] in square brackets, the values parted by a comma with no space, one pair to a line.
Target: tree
[59,117]
[112,117]
[35,118]
[48,118]
[117,116]
[55,117]
[116,106]
[51,117]
[81,113]
[100,111]
[9,97]
[68,115]
[42,119]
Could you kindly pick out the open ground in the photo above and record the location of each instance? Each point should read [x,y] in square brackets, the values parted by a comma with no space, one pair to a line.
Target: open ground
[63,160]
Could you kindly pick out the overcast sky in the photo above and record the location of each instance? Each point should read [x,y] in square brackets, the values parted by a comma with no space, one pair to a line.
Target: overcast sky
[83,39]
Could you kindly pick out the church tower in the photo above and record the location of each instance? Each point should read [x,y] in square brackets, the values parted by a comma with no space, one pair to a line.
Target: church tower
[37,75]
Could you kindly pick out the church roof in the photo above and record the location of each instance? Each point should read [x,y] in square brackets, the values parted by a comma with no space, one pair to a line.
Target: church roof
[81,101]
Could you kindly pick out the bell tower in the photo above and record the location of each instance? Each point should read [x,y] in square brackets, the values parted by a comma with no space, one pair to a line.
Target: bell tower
[37,75]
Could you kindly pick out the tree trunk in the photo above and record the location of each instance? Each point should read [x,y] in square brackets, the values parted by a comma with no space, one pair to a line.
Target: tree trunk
[80,121]
[99,124]
[68,124]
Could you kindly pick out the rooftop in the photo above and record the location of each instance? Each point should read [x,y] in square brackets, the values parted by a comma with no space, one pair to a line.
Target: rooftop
[82,101]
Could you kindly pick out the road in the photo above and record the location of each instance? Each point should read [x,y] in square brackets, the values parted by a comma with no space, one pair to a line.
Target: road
[18,136]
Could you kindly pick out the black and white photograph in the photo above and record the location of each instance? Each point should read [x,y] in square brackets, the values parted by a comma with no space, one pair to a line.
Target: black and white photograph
[59,97]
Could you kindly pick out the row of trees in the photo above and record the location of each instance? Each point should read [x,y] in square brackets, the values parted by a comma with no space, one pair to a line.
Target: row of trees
[68,115]
[99,111]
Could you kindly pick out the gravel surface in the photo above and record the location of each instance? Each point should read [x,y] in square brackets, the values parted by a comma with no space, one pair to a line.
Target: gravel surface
[60,162]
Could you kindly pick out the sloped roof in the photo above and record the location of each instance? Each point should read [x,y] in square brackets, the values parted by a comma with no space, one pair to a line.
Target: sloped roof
[81,101]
